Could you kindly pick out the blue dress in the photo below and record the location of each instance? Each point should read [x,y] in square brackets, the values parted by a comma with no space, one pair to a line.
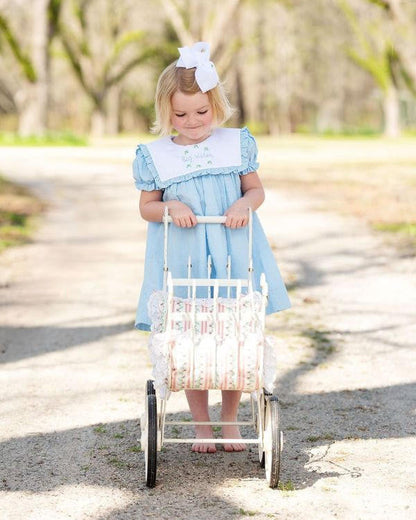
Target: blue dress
[208,181]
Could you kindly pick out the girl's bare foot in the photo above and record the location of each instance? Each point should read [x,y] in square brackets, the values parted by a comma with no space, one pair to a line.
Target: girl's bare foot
[203,432]
[232,432]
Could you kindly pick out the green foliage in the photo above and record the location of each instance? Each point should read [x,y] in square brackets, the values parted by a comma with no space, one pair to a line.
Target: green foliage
[410,132]
[126,39]
[381,3]
[22,58]
[244,512]
[48,139]
[376,61]
[12,235]
[127,50]
[135,449]
[286,486]
[54,11]
[402,228]
[17,209]
[114,461]
[347,131]
[363,131]
[257,127]
[320,340]
[100,429]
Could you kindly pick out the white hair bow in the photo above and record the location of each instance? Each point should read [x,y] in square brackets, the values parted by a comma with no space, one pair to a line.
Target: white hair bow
[198,56]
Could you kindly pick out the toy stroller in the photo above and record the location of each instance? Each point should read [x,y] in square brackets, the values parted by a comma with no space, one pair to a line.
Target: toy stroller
[211,343]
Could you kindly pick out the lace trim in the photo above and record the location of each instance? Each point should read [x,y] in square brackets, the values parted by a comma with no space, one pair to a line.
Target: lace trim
[244,315]
[228,353]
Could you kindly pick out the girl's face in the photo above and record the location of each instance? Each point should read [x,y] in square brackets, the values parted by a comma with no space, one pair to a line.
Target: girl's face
[191,117]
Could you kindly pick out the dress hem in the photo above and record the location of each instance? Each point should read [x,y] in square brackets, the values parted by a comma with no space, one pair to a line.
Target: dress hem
[142,326]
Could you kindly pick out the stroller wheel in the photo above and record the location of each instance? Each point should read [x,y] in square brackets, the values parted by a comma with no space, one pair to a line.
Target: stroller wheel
[272,441]
[150,389]
[264,398]
[150,448]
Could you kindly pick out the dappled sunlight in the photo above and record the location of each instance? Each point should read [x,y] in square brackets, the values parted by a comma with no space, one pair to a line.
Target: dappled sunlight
[68,501]
[75,368]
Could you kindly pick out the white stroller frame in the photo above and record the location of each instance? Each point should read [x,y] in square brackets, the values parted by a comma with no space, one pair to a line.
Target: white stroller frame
[265,417]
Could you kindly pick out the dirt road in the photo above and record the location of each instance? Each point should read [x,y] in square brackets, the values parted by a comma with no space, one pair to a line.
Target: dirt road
[72,367]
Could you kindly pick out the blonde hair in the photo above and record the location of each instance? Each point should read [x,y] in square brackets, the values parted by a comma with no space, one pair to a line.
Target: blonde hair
[174,79]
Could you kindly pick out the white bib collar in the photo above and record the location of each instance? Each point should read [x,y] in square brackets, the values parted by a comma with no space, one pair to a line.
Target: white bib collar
[222,149]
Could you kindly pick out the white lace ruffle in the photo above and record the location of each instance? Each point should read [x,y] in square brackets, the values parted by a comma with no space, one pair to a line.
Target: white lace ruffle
[245,313]
[229,352]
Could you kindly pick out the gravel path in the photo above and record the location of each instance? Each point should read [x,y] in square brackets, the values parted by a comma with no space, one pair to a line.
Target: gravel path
[72,367]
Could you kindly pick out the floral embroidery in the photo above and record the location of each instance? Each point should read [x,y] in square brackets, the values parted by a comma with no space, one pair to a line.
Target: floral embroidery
[197,158]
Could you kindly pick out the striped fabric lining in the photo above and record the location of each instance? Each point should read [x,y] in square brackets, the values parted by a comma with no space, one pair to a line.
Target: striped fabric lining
[213,344]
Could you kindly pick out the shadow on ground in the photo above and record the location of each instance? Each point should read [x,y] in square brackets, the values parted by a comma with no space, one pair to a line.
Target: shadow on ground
[17,343]
[108,454]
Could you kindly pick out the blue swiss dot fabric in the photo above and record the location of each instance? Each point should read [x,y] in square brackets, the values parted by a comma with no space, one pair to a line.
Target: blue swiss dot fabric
[207,192]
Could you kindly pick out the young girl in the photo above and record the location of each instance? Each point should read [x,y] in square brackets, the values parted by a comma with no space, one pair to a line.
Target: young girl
[201,170]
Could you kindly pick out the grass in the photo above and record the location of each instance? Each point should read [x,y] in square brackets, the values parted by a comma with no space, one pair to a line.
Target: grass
[49,139]
[120,464]
[372,179]
[135,449]
[286,486]
[244,512]
[405,231]
[399,227]
[321,343]
[18,211]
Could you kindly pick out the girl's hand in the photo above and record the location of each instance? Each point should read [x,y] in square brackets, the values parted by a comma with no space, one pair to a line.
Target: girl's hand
[237,215]
[181,214]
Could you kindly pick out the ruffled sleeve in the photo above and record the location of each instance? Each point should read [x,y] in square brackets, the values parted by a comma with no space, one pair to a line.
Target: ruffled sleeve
[142,172]
[248,152]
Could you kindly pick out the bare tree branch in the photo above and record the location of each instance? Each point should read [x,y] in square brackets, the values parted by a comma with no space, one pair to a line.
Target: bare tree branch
[215,32]
[23,59]
[7,102]
[73,54]
[173,12]
[404,41]
[148,53]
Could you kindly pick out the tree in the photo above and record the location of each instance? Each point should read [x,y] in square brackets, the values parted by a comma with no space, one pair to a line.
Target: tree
[215,22]
[102,51]
[195,20]
[403,18]
[31,93]
[386,49]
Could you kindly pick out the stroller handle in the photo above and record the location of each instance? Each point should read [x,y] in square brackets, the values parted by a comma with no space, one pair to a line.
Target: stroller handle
[201,219]
[167,219]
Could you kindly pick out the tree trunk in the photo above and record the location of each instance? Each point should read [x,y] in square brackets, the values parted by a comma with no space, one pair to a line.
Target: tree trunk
[112,126]
[98,122]
[391,112]
[238,71]
[262,80]
[33,104]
